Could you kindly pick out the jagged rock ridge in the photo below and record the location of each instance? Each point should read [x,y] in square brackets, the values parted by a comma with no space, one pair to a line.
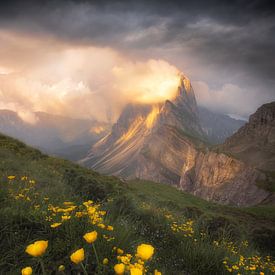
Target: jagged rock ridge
[150,141]
[254,143]
[230,172]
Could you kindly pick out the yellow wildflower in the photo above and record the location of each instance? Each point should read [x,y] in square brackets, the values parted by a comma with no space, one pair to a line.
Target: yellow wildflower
[119,269]
[78,256]
[105,261]
[120,251]
[79,214]
[37,249]
[145,251]
[135,271]
[110,228]
[11,177]
[26,271]
[56,224]
[101,225]
[61,268]
[124,259]
[156,272]
[90,237]
[65,218]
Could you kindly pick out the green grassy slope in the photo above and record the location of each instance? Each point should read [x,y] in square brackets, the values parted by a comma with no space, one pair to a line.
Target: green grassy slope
[190,235]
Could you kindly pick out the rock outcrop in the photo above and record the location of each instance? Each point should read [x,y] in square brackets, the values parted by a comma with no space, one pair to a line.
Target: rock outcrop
[221,178]
[230,173]
[254,143]
[151,141]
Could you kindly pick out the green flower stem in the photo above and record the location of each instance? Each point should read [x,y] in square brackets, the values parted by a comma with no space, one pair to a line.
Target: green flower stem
[84,269]
[42,266]
[96,256]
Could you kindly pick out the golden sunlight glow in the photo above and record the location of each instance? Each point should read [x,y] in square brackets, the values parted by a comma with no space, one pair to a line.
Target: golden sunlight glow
[135,126]
[52,76]
[141,123]
[151,118]
[152,82]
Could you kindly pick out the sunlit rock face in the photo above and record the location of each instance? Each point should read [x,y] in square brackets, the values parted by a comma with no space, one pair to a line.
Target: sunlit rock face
[151,141]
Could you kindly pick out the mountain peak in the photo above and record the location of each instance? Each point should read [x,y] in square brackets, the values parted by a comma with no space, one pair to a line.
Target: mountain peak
[184,83]
[264,115]
[255,141]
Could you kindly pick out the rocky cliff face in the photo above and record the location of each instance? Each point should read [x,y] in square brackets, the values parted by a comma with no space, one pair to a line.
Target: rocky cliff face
[254,143]
[218,177]
[151,142]
[230,173]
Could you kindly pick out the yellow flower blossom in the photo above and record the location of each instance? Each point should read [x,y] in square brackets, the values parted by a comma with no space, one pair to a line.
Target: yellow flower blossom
[119,251]
[90,237]
[101,225]
[11,177]
[79,214]
[61,268]
[78,256]
[119,269]
[37,249]
[26,271]
[110,228]
[135,271]
[105,261]
[156,272]
[56,224]
[145,251]
[65,218]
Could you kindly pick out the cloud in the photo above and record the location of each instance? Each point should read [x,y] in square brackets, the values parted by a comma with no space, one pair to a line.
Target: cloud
[229,99]
[150,82]
[216,42]
[82,81]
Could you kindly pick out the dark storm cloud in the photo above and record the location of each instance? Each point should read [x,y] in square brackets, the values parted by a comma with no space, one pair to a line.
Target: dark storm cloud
[237,36]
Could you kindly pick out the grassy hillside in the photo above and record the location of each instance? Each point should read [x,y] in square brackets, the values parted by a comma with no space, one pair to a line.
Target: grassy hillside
[44,198]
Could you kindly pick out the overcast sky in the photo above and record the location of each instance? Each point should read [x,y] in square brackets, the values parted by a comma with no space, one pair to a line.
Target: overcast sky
[226,48]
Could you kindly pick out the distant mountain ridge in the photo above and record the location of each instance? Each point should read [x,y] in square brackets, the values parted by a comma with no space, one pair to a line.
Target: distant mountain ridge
[53,134]
[218,127]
